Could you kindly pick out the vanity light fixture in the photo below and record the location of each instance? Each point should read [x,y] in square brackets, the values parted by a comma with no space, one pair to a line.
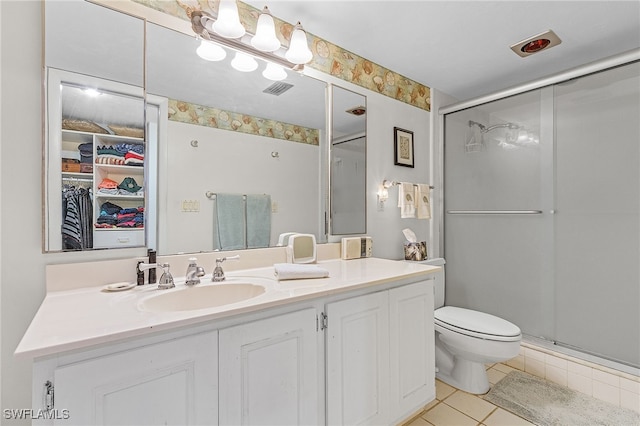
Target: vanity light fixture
[299,52]
[274,72]
[244,63]
[265,39]
[210,51]
[228,24]
[263,45]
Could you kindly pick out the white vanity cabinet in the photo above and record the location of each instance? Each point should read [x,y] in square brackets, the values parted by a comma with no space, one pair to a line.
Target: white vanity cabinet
[364,356]
[269,371]
[169,383]
[380,356]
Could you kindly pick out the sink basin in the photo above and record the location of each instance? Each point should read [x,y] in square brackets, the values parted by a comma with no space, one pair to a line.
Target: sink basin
[201,297]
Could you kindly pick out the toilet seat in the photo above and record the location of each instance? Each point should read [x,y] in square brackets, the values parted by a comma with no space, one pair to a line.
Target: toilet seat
[476,324]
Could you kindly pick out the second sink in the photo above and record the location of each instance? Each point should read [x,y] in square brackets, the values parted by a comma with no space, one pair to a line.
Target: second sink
[201,297]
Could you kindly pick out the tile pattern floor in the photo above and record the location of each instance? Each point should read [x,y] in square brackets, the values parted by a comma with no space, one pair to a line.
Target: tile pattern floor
[453,407]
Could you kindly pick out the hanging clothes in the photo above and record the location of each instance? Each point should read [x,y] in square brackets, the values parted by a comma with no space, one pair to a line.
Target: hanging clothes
[77,229]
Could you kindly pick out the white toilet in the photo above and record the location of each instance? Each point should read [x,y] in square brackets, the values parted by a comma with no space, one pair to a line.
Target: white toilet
[466,340]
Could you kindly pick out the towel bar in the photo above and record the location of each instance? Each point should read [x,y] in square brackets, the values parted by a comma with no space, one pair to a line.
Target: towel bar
[494,211]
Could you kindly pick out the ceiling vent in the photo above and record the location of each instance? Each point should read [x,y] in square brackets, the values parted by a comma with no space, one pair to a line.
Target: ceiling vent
[277,88]
[359,110]
[536,44]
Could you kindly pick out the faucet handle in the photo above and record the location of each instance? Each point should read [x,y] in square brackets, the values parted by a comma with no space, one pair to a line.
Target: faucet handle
[218,273]
[166,280]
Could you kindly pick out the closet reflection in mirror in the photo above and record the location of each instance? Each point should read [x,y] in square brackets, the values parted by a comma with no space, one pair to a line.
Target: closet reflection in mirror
[244,140]
[95,164]
[95,174]
[348,162]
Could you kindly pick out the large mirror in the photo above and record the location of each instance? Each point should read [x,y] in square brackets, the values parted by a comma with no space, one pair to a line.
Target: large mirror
[233,137]
[221,134]
[348,162]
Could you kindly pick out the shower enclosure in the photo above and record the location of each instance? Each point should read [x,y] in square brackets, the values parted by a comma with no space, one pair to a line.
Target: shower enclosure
[542,211]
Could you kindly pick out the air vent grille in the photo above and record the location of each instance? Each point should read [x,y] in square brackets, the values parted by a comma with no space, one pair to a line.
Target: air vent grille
[278,88]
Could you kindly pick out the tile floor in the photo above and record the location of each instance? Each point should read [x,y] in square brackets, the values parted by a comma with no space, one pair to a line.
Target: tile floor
[454,407]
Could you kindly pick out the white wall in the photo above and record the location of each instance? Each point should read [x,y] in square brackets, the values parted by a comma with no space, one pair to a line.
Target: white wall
[213,166]
[22,263]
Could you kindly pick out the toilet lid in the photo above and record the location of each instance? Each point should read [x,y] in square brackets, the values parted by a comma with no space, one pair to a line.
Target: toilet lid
[477,324]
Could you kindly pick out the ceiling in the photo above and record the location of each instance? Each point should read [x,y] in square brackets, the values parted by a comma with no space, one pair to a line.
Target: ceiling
[462,47]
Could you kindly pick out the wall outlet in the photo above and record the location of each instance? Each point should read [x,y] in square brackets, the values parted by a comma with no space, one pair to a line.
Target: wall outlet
[274,207]
[190,206]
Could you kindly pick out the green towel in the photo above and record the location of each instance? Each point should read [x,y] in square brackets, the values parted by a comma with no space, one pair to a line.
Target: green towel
[258,220]
[230,221]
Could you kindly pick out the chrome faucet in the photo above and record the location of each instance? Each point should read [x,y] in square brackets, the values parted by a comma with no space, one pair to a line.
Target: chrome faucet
[218,273]
[194,272]
[166,280]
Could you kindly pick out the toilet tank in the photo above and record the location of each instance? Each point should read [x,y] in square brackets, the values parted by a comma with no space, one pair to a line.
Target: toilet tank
[438,284]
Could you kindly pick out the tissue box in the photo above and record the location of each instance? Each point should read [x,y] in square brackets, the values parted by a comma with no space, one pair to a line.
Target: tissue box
[415,251]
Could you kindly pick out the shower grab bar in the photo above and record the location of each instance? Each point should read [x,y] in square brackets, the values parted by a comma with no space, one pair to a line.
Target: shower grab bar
[494,211]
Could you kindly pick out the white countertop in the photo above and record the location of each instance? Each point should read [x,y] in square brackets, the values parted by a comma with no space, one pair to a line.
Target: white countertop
[80,318]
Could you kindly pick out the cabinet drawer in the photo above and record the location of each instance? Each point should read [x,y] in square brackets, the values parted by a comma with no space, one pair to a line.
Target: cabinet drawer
[110,238]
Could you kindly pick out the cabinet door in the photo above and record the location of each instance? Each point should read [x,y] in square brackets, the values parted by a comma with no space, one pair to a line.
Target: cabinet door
[411,348]
[269,371]
[169,383]
[358,361]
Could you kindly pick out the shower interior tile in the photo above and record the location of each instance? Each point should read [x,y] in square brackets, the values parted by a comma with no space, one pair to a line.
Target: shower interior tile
[607,378]
[630,385]
[580,369]
[630,400]
[580,383]
[556,375]
[606,392]
[556,361]
[534,366]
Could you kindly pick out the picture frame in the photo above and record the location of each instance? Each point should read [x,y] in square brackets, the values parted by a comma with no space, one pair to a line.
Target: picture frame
[403,147]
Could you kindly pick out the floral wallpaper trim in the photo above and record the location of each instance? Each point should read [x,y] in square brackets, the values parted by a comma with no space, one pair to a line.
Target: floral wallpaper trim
[327,57]
[185,112]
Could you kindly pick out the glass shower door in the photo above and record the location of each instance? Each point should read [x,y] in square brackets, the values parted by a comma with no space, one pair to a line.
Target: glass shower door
[597,237]
[498,175]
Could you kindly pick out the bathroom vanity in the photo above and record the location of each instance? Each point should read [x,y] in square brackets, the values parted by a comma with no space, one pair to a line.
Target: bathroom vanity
[354,348]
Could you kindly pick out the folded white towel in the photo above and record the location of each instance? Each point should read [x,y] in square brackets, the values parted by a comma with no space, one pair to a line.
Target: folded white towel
[296,271]
[406,200]
[422,201]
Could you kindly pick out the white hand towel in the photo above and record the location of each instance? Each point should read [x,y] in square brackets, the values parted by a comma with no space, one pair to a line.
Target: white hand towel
[296,271]
[406,200]
[422,201]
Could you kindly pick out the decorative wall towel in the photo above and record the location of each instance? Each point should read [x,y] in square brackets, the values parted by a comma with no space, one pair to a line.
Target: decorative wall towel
[258,220]
[423,206]
[230,221]
[296,271]
[406,201]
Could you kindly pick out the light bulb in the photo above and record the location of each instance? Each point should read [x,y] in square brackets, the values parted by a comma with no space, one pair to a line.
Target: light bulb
[210,51]
[274,72]
[228,22]
[265,38]
[298,52]
[243,62]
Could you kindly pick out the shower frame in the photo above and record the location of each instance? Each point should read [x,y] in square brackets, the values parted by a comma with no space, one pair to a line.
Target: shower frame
[608,63]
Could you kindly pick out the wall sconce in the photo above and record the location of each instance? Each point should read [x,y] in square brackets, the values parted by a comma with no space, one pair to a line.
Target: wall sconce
[383,194]
[227,31]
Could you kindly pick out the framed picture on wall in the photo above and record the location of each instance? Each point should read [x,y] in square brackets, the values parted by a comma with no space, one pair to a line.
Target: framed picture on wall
[403,145]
